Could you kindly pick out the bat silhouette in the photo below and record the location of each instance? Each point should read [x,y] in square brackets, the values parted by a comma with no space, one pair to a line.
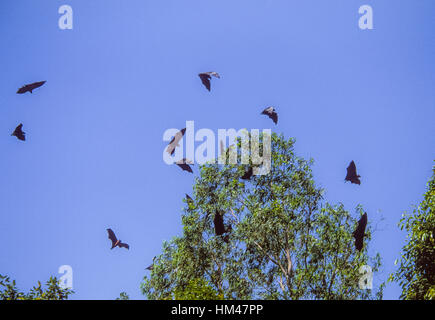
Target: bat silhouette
[151,266]
[248,174]
[351,174]
[174,142]
[30,87]
[219,227]
[183,164]
[359,232]
[206,76]
[18,132]
[115,241]
[271,113]
[189,199]
[218,221]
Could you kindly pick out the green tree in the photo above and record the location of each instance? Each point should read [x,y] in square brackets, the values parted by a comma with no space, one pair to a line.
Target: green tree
[123,296]
[285,242]
[53,291]
[416,272]
[197,289]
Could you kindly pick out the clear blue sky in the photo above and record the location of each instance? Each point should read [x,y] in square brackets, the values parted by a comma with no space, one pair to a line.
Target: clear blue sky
[128,71]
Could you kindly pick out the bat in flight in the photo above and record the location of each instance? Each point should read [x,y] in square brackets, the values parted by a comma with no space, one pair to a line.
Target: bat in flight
[206,76]
[18,132]
[351,174]
[151,266]
[174,142]
[184,164]
[248,174]
[30,87]
[271,113]
[359,232]
[189,199]
[115,241]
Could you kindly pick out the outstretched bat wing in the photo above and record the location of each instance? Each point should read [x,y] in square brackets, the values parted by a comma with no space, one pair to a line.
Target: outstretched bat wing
[214,74]
[30,87]
[174,142]
[271,113]
[205,79]
[18,132]
[112,237]
[183,164]
[36,85]
[23,89]
[274,117]
[124,245]
[185,167]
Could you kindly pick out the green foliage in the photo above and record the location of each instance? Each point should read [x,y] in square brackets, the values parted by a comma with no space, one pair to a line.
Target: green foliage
[416,272]
[53,291]
[123,296]
[197,289]
[285,243]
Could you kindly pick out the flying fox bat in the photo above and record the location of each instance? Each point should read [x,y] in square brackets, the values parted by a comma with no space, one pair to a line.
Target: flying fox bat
[184,164]
[174,142]
[271,113]
[359,232]
[30,87]
[189,199]
[351,174]
[18,132]
[115,241]
[206,76]
[151,266]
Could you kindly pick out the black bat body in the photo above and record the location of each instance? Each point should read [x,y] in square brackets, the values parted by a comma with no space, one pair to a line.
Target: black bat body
[219,226]
[115,241]
[30,87]
[183,165]
[248,174]
[359,232]
[174,142]
[351,175]
[218,221]
[18,132]
[271,113]
[205,78]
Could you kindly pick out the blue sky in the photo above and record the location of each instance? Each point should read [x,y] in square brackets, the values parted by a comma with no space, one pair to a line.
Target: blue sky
[128,71]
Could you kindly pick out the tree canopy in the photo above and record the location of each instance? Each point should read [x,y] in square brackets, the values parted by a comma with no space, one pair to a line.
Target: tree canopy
[416,272]
[53,291]
[283,240]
